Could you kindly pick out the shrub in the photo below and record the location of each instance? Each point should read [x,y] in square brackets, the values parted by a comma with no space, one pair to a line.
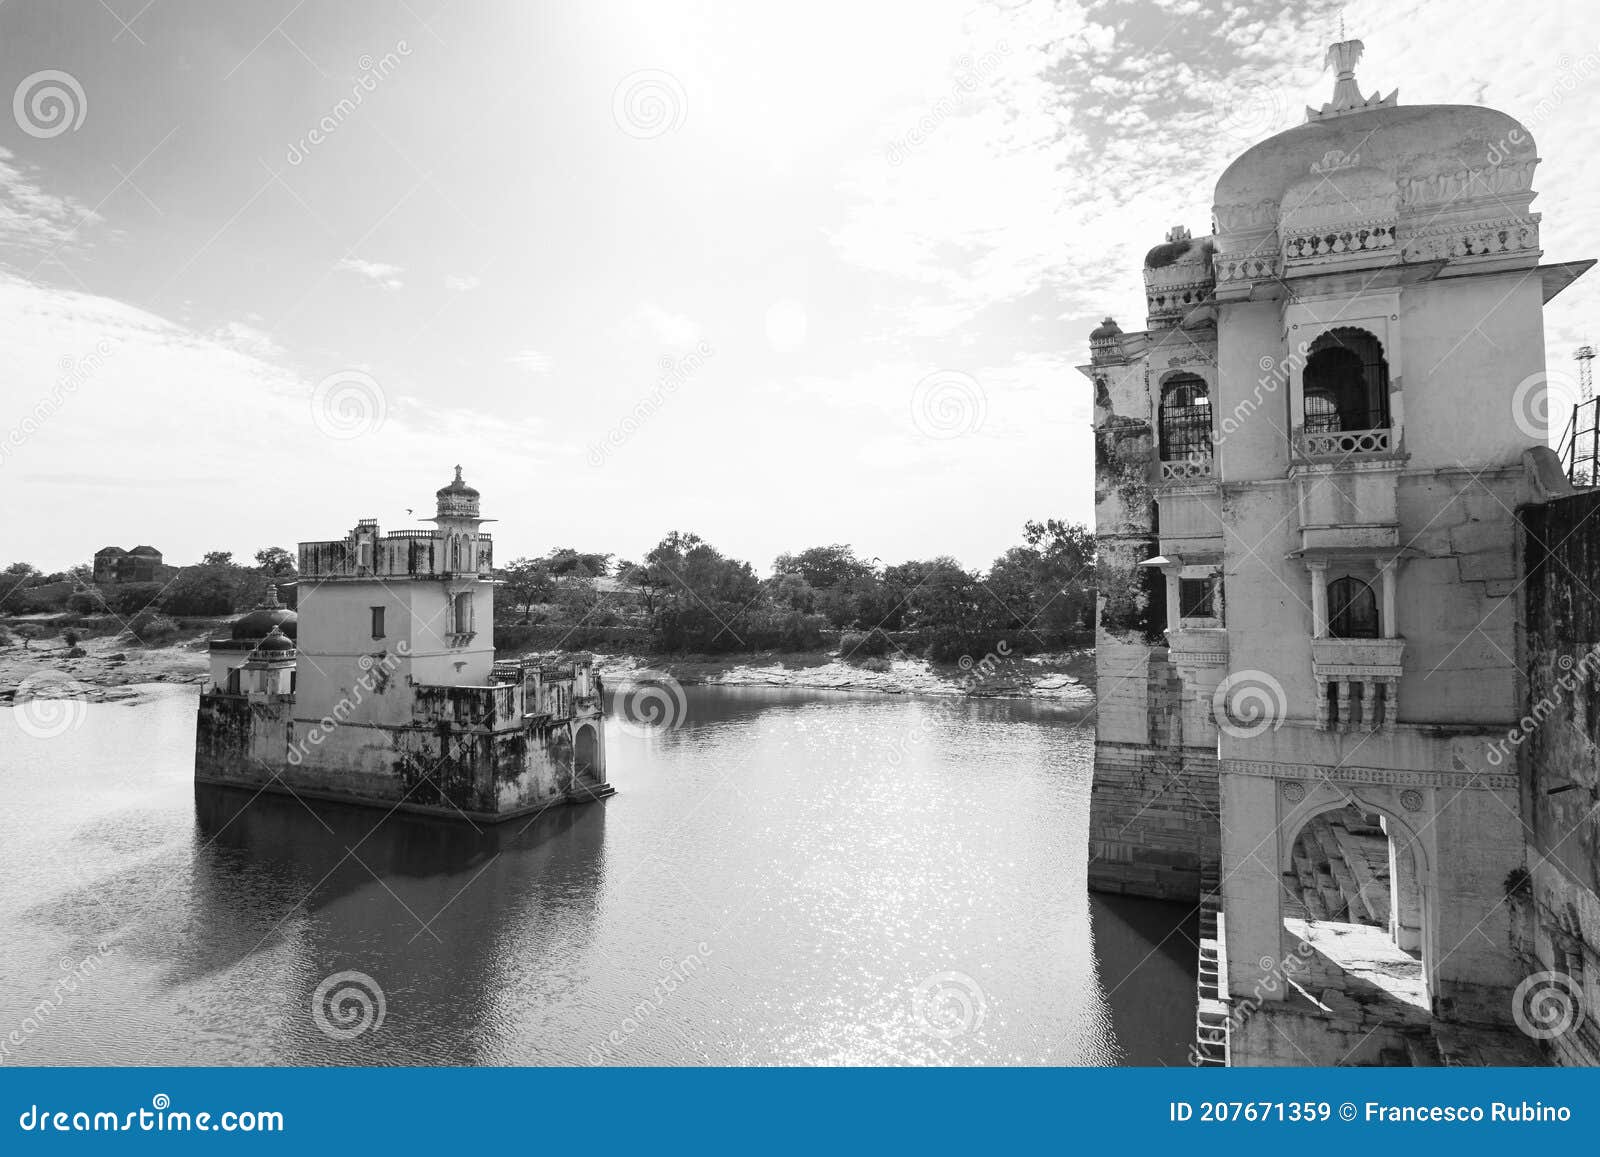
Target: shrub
[152,629]
[70,637]
[873,644]
[131,598]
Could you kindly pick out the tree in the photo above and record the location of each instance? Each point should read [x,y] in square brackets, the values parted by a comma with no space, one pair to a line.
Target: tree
[14,578]
[823,567]
[564,562]
[217,558]
[705,598]
[528,581]
[275,561]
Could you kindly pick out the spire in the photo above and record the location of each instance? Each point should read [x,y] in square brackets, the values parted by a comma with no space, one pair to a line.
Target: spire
[1347,98]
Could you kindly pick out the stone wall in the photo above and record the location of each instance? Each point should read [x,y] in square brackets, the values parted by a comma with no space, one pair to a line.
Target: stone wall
[1557,748]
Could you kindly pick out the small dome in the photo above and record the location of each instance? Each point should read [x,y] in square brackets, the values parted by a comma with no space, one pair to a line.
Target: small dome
[275,640]
[111,551]
[270,616]
[1107,328]
[147,551]
[456,487]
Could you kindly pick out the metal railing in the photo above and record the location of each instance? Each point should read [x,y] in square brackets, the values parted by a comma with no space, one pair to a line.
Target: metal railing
[1579,448]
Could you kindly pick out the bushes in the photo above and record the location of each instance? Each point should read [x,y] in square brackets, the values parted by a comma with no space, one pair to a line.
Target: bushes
[153,629]
[131,598]
[873,644]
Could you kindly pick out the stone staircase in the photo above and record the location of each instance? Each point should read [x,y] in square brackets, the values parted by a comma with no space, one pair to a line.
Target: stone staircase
[1211,982]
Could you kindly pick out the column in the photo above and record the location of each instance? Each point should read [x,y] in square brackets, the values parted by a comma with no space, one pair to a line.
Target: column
[1388,624]
[1391,704]
[1344,704]
[1319,598]
[1323,710]
[1173,573]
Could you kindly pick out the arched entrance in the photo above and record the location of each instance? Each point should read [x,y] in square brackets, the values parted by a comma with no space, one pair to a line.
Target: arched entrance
[1356,897]
[588,763]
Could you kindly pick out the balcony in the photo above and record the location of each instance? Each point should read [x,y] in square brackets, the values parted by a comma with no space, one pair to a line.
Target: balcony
[1322,445]
[1191,469]
[1358,683]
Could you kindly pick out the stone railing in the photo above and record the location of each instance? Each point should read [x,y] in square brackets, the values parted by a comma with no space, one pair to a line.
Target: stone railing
[1307,244]
[1358,683]
[1236,267]
[1345,443]
[1186,469]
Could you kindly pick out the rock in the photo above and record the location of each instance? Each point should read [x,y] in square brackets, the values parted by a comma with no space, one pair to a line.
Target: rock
[119,657]
[76,653]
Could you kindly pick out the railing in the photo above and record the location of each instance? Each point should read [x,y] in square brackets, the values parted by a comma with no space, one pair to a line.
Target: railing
[1579,448]
[1186,469]
[1345,443]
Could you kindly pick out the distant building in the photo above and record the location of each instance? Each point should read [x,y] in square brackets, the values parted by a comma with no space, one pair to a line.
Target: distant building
[383,686]
[142,564]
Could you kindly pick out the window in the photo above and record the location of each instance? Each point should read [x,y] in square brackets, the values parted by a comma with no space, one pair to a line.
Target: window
[377,622]
[1185,418]
[233,681]
[1196,599]
[463,614]
[1346,383]
[1352,609]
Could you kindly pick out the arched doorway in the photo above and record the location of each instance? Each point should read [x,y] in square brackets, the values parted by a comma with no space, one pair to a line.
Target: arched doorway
[588,765]
[1354,903]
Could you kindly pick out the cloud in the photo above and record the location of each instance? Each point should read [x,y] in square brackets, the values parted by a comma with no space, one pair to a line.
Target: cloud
[461,282]
[671,329]
[378,272]
[532,362]
[247,339]
[34,220]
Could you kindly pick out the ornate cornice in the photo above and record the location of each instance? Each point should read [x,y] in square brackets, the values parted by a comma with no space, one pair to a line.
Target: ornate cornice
[1375,776]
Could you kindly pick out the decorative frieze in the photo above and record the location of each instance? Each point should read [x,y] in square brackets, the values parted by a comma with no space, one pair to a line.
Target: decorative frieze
[1472,239]
[1375,776]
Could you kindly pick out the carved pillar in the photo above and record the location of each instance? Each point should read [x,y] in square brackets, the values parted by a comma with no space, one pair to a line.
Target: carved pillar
[1389,624]
[1174,614]
[1322,705]
[1319,599]
[1391,704]
[1344,704]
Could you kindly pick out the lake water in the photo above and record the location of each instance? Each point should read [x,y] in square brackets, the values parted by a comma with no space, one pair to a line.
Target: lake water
[793,877]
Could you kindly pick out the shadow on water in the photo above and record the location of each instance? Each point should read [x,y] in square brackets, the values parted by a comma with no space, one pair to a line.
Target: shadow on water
[1145,954]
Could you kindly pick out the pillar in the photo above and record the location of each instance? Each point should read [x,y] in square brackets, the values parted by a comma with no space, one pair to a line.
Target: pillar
[1388,621]
[1319,599]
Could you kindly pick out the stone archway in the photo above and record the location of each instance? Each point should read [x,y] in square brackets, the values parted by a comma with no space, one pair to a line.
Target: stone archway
[588,757]
[1356,878]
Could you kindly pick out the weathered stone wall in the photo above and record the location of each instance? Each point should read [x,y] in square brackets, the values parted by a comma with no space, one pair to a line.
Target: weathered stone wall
[1557,747]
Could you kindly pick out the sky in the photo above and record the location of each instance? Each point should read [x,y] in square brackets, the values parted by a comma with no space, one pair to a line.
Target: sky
[781,275]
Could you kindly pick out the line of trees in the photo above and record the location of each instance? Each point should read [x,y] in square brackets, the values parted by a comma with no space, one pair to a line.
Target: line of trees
[216,586]
[690,597]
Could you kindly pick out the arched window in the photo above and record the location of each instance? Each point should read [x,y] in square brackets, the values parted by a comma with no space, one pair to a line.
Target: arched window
[1346,383]
[1352,609]
[1185,418]
[455,553]
[463,613]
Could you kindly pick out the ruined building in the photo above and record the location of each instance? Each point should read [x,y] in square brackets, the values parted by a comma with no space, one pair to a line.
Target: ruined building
[142,564]
[383,687]
[1316,607]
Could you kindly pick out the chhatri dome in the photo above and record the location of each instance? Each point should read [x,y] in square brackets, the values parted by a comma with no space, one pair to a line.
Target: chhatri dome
[457,499]
[1396,178]
[269,616]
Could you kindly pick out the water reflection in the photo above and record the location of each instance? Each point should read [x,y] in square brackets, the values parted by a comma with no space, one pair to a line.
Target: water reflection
[775,883]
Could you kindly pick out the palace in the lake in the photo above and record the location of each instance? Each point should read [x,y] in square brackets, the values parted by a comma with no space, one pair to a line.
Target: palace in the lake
[1343,596]
[382,686]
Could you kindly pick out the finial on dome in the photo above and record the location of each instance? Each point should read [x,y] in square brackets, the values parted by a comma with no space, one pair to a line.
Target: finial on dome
[1342,58]
[1178,233]
[458,473]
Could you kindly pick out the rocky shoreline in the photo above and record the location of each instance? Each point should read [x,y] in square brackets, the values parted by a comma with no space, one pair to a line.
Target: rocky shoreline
[108,669]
